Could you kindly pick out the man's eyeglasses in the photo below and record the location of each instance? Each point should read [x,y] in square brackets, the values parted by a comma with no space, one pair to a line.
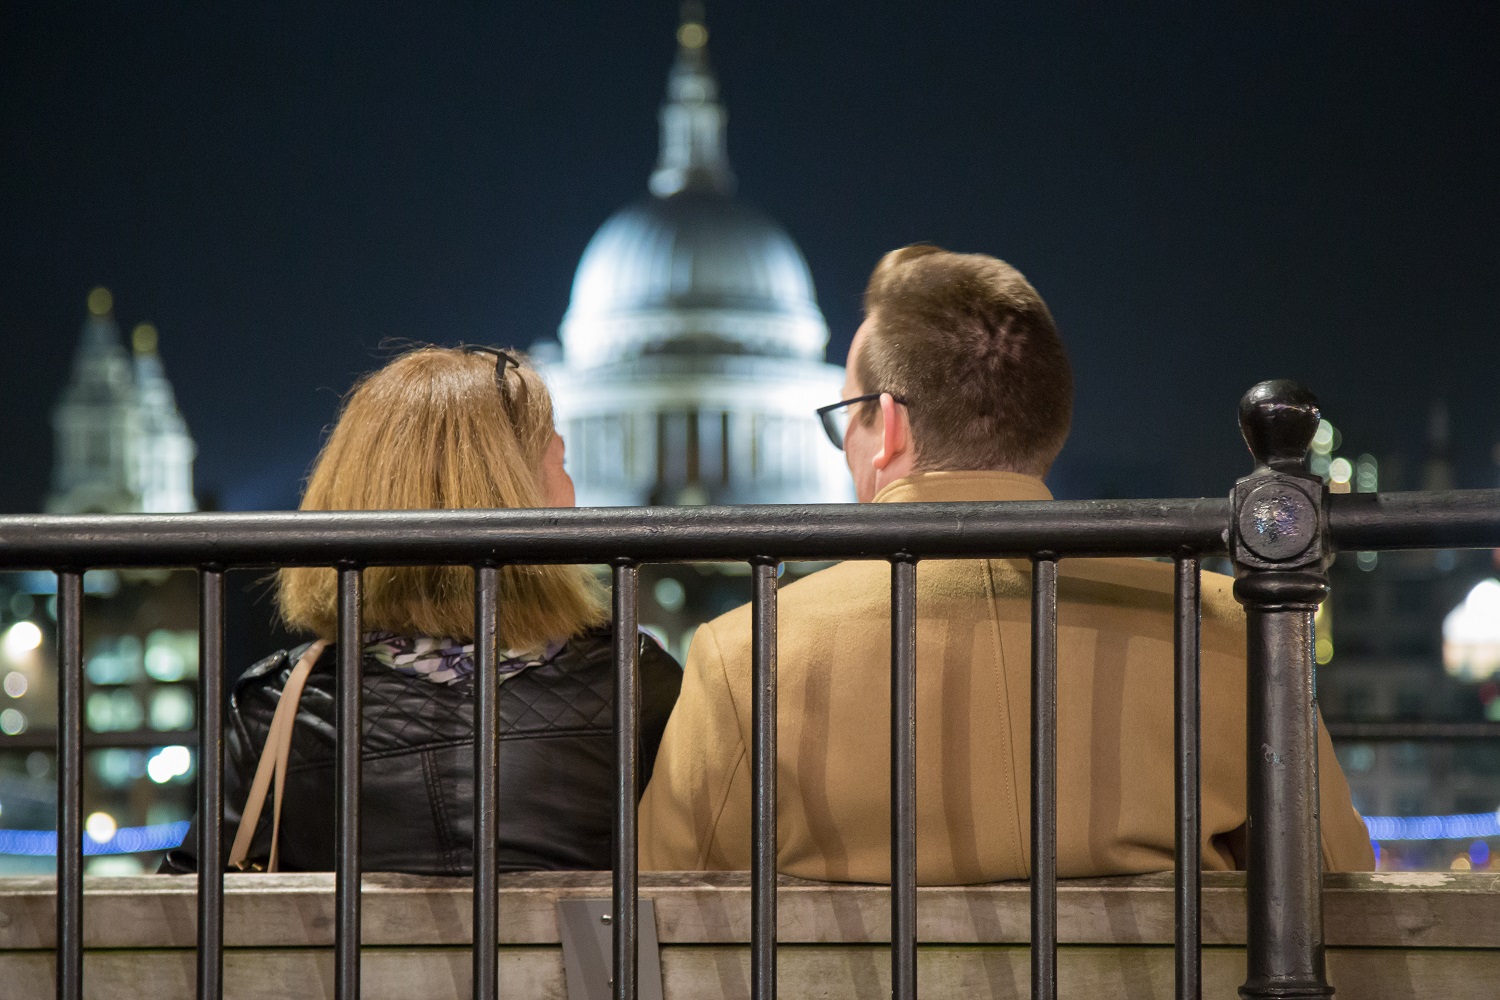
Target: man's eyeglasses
[835,416]
[504,362]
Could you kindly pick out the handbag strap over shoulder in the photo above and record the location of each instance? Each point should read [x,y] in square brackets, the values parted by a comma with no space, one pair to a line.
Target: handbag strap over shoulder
[273,764]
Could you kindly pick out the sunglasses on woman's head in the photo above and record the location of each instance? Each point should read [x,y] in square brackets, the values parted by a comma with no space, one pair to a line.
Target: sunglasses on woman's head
[504,362]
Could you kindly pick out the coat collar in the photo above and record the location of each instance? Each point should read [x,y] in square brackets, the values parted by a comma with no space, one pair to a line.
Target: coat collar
[943,487]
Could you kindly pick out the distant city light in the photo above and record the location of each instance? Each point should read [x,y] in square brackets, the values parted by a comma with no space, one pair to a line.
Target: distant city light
[1339,470]
[101,302]
[100,826]
[669,594]
[1323,632]
[168,763]
[16,684]
[117,662]
[1322,441]
[21,638]
[1471,634]
[692,36]
[113,711]
[12,722]
[171,708]
[164,663]
[116,766]
[171,656]
[1366,474]
[1359,758]
[1367,561]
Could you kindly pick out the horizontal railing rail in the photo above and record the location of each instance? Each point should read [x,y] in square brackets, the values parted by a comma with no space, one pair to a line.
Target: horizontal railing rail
[639,534]
[1076,528]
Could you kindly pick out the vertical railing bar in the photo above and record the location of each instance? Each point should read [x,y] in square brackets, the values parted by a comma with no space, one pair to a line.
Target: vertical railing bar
[763,777]
[1187,608]
[350,718]
[70,785]
[1044,777]
[627,750]
[903,777]
[210,783]
[486,783]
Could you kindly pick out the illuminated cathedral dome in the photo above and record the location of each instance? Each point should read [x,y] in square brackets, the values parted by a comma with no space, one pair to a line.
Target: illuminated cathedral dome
[692,348]
[698,271]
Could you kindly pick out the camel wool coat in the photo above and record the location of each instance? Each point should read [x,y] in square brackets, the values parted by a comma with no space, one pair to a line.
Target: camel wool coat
[1114,718]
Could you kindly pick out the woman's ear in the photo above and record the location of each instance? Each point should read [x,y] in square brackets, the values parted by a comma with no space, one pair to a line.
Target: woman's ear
[895,441]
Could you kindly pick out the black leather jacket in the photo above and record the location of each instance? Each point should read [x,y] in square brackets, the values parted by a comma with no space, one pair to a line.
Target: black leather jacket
[417,803]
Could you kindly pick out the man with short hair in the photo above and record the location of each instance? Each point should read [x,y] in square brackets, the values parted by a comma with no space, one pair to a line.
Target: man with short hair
[959,389]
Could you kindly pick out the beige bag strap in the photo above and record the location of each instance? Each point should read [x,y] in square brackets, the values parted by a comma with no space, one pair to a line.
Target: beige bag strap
[273,762]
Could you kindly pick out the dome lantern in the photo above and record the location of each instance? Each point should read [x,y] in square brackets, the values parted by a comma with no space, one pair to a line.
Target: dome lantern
[693,156]
[690,269]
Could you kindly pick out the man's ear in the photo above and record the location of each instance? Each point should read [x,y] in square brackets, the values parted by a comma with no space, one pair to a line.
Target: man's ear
[895,432]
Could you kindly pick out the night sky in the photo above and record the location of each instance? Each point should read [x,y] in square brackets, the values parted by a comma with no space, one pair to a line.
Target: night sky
[1204,198]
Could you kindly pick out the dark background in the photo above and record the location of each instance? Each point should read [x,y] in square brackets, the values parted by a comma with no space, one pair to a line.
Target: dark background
[1205,198]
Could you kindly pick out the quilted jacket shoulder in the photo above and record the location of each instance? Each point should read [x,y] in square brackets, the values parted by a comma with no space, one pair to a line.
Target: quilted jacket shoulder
[556,761]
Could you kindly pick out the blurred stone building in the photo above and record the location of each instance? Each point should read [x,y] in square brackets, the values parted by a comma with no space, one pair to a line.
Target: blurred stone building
[121,447]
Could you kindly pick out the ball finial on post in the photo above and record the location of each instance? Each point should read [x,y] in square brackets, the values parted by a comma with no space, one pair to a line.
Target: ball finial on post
[1278,419]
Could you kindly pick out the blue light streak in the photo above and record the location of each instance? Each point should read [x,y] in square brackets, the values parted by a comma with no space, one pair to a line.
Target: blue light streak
[1457,827]
[165,836]
[127,840]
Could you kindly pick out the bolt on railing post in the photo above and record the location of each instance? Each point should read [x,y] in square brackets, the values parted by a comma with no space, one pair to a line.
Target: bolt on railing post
[1280,546]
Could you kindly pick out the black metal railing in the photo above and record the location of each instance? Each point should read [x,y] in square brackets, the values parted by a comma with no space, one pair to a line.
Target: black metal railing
[1279,526]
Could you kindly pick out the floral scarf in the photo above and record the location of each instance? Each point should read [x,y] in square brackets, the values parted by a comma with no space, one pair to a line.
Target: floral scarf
[444,661]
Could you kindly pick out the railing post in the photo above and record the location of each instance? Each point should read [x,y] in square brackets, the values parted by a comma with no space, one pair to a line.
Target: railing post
[1280,546]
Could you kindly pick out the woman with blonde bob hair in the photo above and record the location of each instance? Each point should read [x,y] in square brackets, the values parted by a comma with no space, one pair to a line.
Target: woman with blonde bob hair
[438,429]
